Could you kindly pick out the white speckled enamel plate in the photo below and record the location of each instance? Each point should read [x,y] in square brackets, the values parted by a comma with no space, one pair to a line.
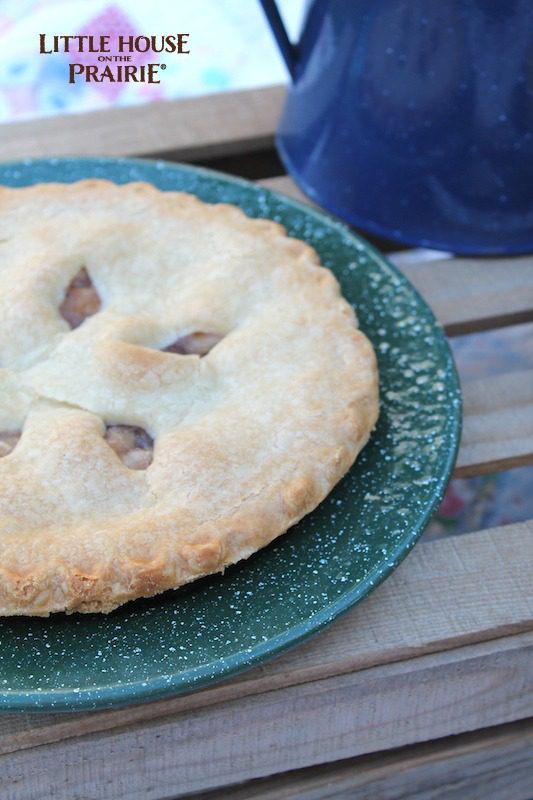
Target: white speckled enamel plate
[221,625]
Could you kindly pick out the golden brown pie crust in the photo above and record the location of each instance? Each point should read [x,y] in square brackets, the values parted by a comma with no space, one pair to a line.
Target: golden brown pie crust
[247,439]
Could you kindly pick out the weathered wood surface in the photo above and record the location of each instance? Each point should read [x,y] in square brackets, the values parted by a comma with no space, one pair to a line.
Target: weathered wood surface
[496,764]
[498,424]
[448,593]
[324,720]
[476,294]
[192,128]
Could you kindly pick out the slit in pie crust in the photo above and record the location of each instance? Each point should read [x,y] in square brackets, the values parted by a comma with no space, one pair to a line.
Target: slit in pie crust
[81,299]
[132,445]
[197,343]
[129,465]
[8,442]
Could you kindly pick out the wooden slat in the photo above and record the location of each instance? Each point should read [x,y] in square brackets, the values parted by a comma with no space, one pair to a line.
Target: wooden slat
[498,424]
[195,128]
[495,764]
[249,737]
[448,594]
[476,294]
[467,294]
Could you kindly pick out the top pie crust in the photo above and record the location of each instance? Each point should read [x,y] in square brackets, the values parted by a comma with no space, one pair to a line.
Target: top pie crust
[248,439]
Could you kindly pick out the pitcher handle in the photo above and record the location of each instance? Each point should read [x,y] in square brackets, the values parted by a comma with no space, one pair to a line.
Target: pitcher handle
[287,49]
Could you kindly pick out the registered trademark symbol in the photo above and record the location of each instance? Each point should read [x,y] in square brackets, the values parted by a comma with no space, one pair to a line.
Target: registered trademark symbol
[163,66]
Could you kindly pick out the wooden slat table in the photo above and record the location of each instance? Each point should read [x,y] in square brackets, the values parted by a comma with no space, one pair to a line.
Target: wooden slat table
[425,688]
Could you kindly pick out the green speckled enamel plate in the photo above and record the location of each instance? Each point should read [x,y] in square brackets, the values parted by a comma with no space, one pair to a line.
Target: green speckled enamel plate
[221,625]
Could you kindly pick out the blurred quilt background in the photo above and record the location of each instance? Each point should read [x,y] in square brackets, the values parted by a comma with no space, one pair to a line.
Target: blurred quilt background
[231,48]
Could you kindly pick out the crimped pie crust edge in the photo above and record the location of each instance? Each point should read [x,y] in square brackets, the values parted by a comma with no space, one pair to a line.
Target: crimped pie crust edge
[142,554]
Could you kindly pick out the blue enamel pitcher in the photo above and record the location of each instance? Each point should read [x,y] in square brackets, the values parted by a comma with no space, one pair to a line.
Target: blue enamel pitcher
[413,119]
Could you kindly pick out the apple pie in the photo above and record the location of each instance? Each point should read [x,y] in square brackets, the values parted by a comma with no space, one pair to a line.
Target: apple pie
[179,385]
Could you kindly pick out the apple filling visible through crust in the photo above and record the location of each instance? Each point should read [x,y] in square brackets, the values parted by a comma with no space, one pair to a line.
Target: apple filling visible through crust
[8,442]
[133,446]
[197,343]
[239,439]
[81,299]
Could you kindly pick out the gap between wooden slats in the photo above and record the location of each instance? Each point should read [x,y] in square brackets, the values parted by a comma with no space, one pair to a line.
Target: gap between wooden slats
[339,717]
[498,424]
[448,594]
[496,763]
